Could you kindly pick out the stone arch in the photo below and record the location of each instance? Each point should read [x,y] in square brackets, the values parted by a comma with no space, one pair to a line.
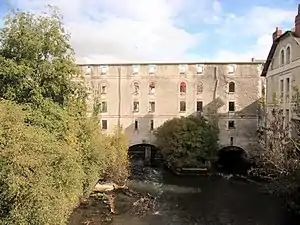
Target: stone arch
[233,159]
[138,151]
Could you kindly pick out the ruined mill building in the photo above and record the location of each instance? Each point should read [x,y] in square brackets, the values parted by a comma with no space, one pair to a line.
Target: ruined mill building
[142,97]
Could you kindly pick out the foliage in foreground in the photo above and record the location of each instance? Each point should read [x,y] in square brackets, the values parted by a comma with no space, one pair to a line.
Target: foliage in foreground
[187,141]
[277,157]
[51,155]
[42,176]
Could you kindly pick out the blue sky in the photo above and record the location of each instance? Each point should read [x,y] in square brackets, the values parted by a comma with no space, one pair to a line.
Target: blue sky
[169,30]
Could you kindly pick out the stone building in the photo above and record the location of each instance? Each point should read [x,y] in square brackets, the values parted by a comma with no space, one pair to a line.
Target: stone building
[282,69]
[142,97]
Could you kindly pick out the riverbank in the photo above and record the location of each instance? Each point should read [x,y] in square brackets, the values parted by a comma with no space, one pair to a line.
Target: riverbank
[212,199]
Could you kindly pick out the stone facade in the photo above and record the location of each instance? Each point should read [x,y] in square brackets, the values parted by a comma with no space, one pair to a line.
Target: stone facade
[142,97]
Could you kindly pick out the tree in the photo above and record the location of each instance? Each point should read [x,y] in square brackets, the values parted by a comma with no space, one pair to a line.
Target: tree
[51,155]
[36,59]
[187,141]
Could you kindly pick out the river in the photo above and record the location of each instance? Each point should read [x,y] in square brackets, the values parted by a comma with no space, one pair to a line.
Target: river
[200,200]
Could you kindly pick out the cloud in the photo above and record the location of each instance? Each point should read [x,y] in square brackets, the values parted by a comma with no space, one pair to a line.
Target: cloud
[106,31]
[258,25]
[132,30]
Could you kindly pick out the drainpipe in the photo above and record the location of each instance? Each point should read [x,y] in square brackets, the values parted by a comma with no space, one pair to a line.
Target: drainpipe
[119,97]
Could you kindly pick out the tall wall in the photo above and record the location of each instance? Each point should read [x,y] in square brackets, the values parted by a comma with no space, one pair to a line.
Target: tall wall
[206,82]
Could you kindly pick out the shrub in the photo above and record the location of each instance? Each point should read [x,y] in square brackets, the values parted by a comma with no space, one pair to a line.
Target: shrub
[41,176]
[187,141]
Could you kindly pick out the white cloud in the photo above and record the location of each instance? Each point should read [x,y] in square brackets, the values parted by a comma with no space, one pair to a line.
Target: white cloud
[258,51]
[259,23]
[152,30]
[118,30]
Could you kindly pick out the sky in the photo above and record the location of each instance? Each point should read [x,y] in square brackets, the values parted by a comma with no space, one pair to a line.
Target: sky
[113,31]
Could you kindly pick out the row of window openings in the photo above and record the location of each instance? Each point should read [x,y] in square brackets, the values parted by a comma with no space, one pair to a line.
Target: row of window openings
[231,125]
[284,93]
[182,106]
[182,89]
[104,125]
[152,68]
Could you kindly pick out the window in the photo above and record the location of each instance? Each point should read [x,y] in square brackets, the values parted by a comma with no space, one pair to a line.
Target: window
[231,107]
[182,88]
[281,87]
[231,140]
[182,68]
[199,106]
[200,88]
[152,107]
[136,88]
[200,69]
[135,69]
[151,124]
[282,57]
[152,88]
[231,68]
[103,69]
[231,87]
[287,90]
[136,125]
[103,108]
[87,70]
[152,69]
[103,88]
[182,106]
[231,124]
[136,106]
[104,124]
[288,55]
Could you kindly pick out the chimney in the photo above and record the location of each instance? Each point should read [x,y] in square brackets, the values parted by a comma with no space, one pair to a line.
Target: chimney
[277,33]
[297,22]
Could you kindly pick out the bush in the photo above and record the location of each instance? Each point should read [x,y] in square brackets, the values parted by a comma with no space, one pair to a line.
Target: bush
[42,176]
[187,141]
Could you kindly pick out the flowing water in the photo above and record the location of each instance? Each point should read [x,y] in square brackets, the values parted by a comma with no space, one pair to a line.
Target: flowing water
[202,200]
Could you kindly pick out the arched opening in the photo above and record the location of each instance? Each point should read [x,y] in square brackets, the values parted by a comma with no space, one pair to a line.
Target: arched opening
[140,152]
[233,160]
[139,163]
[200,88]
[288,55]
[152,88]
[282,57]
[231,87]
[182,88]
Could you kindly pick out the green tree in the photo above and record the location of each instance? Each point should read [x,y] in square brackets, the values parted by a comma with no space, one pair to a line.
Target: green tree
[187,141]
[37,60]
[51,155]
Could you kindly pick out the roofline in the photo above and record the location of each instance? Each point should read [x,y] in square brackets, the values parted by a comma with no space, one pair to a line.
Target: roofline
[172,63]
[272,51]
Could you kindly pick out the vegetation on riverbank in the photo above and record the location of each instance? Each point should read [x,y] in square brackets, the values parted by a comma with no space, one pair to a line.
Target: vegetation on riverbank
[51,155]
[277,157]
[188,141]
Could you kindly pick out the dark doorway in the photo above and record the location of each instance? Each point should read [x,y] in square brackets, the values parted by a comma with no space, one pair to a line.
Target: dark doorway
[233,159]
